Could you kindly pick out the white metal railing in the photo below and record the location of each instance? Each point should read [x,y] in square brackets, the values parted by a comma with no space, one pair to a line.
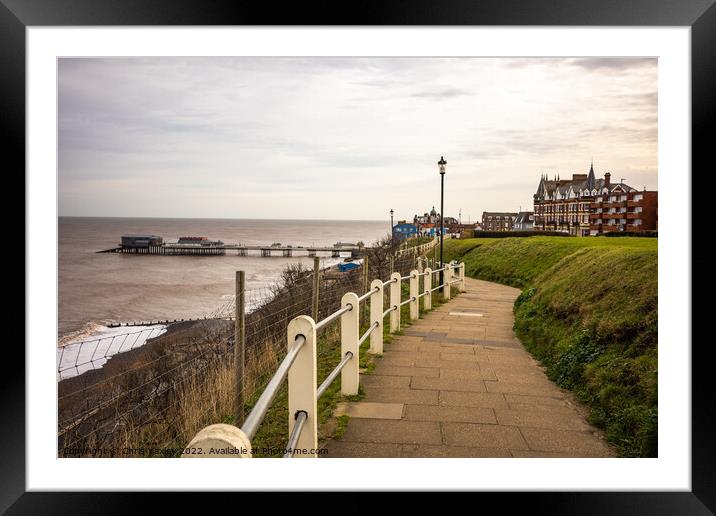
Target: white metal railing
[299,366]
[419,249]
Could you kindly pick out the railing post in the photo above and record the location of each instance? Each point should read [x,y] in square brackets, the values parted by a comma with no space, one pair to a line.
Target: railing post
[239,346]
[316,286]
[447,277]
[218,440]
[302,382]
[462,277]
[349,343]
[365,273]
[428,285]
[395,302]
[376,316]
[414,307]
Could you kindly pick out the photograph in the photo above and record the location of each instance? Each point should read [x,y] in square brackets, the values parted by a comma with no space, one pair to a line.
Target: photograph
[357,257]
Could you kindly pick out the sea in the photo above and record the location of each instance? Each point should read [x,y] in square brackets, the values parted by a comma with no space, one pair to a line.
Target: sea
[97,289]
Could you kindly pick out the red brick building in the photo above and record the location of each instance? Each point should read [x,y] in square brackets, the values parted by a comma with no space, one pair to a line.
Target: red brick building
[585,205]
[498,221]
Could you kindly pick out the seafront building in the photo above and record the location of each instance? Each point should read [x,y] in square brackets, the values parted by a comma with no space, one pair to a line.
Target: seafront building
[498,221]
[585,205]
[524,221]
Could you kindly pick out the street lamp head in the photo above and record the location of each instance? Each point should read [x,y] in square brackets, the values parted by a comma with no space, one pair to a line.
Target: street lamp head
[391,212]
[441,164]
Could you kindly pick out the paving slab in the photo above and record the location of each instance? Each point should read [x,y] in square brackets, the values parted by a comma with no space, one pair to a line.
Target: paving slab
[391,395]
[484,436]
[541,419]
[390,382]
[447,384]
[473,399]
[450,413]
[370,410]
[387,431]
[389,370]
[583,444]
[339,448]
[436,452]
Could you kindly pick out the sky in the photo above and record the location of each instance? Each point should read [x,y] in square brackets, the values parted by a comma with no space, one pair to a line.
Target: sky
[344,138]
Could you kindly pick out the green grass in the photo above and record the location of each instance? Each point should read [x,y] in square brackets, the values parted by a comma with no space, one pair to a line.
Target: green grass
[518,261]
[341,426]
[588,312]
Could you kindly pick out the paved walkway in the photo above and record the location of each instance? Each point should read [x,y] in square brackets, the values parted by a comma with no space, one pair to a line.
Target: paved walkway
[460,384]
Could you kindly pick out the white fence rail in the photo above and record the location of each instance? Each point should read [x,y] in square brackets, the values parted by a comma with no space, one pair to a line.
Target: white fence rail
[418,249]
[299,365]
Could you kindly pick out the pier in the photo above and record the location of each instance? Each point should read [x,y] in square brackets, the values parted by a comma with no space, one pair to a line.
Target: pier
[240,250]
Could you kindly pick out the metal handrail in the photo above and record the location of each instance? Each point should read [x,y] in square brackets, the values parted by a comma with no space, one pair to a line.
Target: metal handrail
[435,288]
[301,418]
[389,310]
[386,283]
[407,301]
[409,276]
[367,333]
[423,294]
[335,315]
[368,294]
[440,270]
[333,374]
[254,419]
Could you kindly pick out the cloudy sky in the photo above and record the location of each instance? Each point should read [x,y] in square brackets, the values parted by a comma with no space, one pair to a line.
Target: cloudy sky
[344,138]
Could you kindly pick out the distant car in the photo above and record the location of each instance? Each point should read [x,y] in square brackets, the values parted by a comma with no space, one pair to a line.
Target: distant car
[276,244]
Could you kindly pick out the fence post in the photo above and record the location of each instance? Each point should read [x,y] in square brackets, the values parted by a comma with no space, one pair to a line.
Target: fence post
[240,345]
[428,285]
[376,315]
[349,342]
[447,277]
[225,441]
[414,306]
[462,277]
[316,286]
[365,273]
[302,381]
[395,302]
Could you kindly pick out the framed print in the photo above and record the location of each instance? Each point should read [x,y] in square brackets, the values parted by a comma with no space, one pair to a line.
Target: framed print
[418,247]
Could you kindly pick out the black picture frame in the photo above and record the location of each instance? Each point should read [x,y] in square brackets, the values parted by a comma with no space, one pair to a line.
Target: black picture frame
[700,15]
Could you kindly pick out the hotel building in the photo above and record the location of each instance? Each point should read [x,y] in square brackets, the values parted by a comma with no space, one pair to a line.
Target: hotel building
[585,205]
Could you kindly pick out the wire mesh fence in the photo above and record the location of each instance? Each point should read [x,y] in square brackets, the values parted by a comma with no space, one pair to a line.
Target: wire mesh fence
[146,393]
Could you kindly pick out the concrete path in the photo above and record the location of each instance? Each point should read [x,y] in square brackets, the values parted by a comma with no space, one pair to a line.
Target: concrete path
[460,384]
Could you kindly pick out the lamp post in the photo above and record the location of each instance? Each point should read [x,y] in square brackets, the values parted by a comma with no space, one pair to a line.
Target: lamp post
[441,166]
[391,228]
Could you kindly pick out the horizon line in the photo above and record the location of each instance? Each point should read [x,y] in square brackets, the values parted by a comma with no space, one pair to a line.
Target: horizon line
[215,218]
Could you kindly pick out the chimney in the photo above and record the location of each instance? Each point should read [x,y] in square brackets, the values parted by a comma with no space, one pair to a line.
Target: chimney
[607,179]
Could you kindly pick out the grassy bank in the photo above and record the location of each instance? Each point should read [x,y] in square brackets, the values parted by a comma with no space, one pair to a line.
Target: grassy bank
[588,311]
